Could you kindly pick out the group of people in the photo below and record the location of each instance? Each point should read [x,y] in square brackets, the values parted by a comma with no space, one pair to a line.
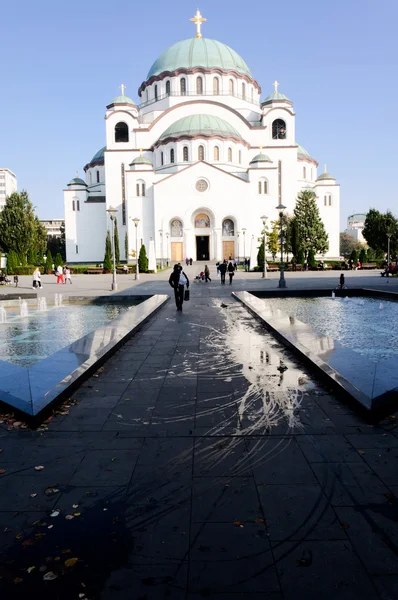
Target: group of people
[225,267]
[188,261]
[63,274]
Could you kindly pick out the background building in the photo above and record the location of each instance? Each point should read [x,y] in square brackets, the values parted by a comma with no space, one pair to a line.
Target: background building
[198,162]
[8,185]
[355,225]
[53,227]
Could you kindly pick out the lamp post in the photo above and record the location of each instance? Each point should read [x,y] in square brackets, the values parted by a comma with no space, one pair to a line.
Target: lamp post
[282,282]
[244,243]
[112,212]
[137,269]
[264,220]
[161,248]
[167,249]
[388,251]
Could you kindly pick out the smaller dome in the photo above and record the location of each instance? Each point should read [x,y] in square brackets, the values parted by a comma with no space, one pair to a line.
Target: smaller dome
[326,175]
[122,100]
[141,160]
[98,158]
[77,181]
[202,126]
[260,158]
[276,96]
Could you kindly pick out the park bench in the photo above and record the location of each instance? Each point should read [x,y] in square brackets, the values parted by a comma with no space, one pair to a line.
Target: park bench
[95,271]
[271,268]
[122,271]
[369,266]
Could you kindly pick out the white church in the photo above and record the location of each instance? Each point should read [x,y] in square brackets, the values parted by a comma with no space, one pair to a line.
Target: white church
[196,164]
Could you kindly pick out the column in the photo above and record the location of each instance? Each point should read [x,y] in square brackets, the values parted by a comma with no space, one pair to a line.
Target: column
[217,243]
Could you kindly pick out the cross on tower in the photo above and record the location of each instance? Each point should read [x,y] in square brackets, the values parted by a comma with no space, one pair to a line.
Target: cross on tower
[198,20]
[122,87]
[276,85]
[77,172]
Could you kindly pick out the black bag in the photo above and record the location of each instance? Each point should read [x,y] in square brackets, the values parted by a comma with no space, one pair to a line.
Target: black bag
[186,295]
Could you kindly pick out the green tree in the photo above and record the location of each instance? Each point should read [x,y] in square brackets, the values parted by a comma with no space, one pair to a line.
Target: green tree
[39,243]
[354,257]
[143,260]
[108,245]
[126,246]
[273,239]
[371,255]
[363,257]
[32,257]
[300,257]
[40,259]
[17,224]
[311,258]
[107,262]
[116,243]
[12,262]
[348,244]
[377,225]
[294,238]
[311,230]
[58,244]
[49,262]
[58,262]
[260,256]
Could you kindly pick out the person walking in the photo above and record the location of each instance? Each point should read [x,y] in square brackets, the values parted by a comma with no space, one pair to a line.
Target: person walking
[68,275]
[235,264]
[187,261]
[60,275]
[223,270]
[231,272]
[190,261]
[178,280]
[36,278]
[245,264]
[16,280]
[207,274]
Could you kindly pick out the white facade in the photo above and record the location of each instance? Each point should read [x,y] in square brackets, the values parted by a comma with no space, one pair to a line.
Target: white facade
[53,227]
[355,227]
[198,162]
[8,185]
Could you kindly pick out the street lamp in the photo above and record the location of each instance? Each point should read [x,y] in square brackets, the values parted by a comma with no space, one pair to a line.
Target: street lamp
[112,212]
[161,248]
[137,269]
[282,282]
[264,220]
[237,236]
[167,248]
[388,251]
[244,244]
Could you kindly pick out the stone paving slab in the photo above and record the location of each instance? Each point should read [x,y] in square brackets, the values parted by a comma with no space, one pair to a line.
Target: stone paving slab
[193,467]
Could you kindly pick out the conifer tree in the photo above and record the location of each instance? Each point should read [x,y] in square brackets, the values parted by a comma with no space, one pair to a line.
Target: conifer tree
[311,230]
[116,243]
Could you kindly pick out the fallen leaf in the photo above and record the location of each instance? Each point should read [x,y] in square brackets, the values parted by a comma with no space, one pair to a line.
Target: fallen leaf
[55,513]
[17,424]
[50,526]
[77,514]
[33,495]
[69,517]
[29,542]
[113,459]
[66,551]
[70,562]
[6,530]
[75,505]
[30,569]
[239,524]
[50,576]
[50,491]
[361,451]
[82,595]
[2,471]
[39,468]
[260,521]
[57,558]
[18,580]
[105,509]
[304,562]
[18,536]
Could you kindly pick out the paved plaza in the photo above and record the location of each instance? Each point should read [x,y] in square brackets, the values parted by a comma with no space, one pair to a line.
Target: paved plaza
[201,461]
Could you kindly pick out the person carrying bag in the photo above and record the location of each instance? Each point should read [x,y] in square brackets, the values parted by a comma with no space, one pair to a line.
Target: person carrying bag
[178,280]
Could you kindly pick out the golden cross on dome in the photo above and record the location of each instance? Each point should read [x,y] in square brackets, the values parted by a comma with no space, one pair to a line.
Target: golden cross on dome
[198,20]
[140,151]
[261,149]
[122,87]
[325,171]
[77,172]
[276,85]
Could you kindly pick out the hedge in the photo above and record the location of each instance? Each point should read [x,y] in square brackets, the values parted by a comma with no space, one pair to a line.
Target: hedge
[27,270]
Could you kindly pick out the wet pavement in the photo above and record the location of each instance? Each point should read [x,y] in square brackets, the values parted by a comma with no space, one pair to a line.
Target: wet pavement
[202,461]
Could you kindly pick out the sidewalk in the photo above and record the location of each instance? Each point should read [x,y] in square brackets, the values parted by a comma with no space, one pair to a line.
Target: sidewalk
[201,461]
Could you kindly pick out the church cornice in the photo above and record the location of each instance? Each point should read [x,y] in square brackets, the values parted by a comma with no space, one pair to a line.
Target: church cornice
[196,163]
[291,112]
[201,136]
[310,160]
[193,71]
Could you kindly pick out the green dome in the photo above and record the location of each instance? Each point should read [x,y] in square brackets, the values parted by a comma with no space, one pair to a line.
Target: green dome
[98,158]
[200,125]
[141,160]
[260,158]
[77,181]
[302,153]
[325,175]
[199,52]
[276,96]
[122,100]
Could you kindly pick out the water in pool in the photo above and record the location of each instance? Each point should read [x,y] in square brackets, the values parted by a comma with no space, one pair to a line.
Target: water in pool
[366,325]
[28,339]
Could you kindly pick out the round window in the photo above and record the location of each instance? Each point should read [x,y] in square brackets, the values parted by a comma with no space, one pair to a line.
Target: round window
[202,185]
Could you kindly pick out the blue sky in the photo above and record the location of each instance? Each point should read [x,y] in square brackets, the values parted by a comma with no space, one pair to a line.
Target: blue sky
[62,62]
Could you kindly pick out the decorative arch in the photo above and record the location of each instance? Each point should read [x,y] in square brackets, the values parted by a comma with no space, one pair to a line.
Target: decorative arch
[168,87]
[185,154]
[228,227]
[121,132]
[263,185]
[202,221]
[176,228]
[140,188]
[199,85]
[216,86]
[279,129]
[216,156]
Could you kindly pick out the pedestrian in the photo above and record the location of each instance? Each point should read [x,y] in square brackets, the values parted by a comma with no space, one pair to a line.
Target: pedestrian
[231,272]
[235,264]
[342,285]
[218,267]
[245,264]
[207,274]
[59,274]
[294,264]
[36,278]
[178,280]
[190,261]
[223,270]
[68,275]
[187,261]
[16,280]
[248,264]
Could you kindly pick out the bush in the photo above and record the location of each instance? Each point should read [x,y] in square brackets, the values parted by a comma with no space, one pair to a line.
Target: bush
[354,257]
[32,257]
[26,270]
[107,262]
[12,262]
[311,258]
[363,258]
[78,270]
[143,260]
[260,256]
[300,257]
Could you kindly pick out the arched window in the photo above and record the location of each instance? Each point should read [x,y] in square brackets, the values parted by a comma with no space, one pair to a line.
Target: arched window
[240,157]
[172,156]
[244,91]
[252,94]
[162,159]
[137,189]
[260,187]
[279,129]
[304,173]
[229,154]
[156,92]
[216,153]
[168,89]
[121,133]
[199,86]
[201,153]
[140,188]
[74,205]
[98,177]
[183,86]
[263,186]
[185,155]
[216,86]
[176,228]
[228,228]
[231,87]
[327,200]
[77,204]
[312,174]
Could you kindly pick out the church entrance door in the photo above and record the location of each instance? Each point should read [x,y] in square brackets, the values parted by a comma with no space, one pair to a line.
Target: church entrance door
[176,251]
[202,247]
[228,249]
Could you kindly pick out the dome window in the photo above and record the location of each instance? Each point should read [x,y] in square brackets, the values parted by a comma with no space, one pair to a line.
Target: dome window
[244,91]
[304,173]
[121,133]
[240,157]
[162,159]
[185,155]
[327,200]
[216,153]
[172,156]
[156,93]
[199,86]
[201,153]
[183,86]
[140,188]
[98,176]
[168,88]
[279,129]
[216,86]
[229,154]
[231,87]
[262,186]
